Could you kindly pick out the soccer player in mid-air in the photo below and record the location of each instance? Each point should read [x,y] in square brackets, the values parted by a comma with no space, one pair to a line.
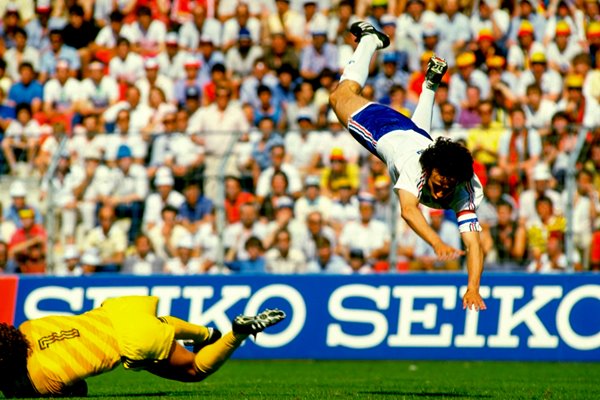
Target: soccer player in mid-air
[52,356]
[438,174]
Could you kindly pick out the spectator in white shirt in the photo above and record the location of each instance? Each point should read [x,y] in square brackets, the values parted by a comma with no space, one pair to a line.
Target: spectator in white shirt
[184,263]
[154,79]
[200,25]
[164,195]
[21,138]
[98,91]
[367,234]
[312,200]
[541,188]
[144,261]
[283,258]
[19,54]
[240,59]
[146,33]
[107,37]
[236,235]
[126,65]
[124,136]
[167,233]
[454,25]
[108,239]
[327,262]
[242,19]
[61,93]
[538,110]
[172,58]
[263,187]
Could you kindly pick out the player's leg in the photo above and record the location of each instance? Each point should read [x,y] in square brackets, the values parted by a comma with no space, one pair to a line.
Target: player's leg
[185,330]
[183,365]
[345,99]
[436,69]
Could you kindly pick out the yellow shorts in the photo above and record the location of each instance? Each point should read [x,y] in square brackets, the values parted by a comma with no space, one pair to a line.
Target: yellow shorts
[142,338]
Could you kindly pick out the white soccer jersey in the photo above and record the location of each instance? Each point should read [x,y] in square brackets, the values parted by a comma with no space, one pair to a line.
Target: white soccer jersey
[402,150]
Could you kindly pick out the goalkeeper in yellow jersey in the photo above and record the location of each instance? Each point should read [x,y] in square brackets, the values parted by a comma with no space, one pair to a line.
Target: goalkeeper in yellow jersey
[52,356]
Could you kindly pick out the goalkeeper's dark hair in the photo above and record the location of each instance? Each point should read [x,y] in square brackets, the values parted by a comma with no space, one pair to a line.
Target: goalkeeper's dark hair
[13,358]
[452,160]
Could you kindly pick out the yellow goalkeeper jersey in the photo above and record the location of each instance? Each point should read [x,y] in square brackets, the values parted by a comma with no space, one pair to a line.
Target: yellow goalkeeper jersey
[67,349]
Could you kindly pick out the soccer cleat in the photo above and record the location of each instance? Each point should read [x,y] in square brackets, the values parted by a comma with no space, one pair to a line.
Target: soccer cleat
[363,28]
[436,69]
[251,325]
[213,335]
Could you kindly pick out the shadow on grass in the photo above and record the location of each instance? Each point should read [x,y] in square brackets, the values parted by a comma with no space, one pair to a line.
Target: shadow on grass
[425,394]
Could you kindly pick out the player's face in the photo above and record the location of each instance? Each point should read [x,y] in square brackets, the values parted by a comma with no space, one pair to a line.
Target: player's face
[439,186]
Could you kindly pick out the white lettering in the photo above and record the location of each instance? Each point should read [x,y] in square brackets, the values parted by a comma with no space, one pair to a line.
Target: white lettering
[427,317]
[216,313]
[563,313]
[337,337]
[470,338]
[74,297]
[298,317]
[508,319]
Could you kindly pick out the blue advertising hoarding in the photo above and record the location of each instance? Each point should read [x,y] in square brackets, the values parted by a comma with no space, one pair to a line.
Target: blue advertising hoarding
[398,316]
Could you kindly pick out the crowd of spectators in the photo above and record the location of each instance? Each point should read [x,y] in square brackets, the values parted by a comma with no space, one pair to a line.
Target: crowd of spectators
[154,95]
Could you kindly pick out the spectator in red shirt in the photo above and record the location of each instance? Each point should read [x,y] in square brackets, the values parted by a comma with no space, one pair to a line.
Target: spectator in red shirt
[28,244]
[234,198]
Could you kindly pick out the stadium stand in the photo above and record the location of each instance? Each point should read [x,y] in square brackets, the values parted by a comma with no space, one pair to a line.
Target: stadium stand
[191,137]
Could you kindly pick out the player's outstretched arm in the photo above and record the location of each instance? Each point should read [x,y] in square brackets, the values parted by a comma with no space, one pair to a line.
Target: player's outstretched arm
[472,299]
[409,205]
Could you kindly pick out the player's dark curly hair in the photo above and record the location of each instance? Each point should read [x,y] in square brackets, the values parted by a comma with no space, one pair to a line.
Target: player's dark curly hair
[451,160]
[13,359]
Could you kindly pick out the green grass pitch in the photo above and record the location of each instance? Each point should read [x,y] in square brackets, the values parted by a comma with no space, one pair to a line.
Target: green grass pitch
[323,380]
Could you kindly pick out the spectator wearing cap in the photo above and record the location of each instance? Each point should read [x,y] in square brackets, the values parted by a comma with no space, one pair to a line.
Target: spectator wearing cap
[579,108]
[318,55]
[467,75]
[172,58]
[127,191]
[383,205]
[20,53]
[454,25]
[126,66]
[312,200]
[21,139]
[235,197]
[367,234]
[58,51]
[388,76]
[241,19]
[39,27]
[152,79]
[278,164]
[339,170]
[216,125]
[550,81]
[327,262]
[526,10]
[143,261]
[62,93]
[484,140]
[108,239]
[71,260]
[521,51]
[491,17]
[27,246]
[345,206]
[147,34]
[503,83]
[563,12]
[27,89]
[539,110]
[563,48]
[519,151]
[195,209]
[163,196]
[284,219]
[190,79]
[288,22]
[200,25]
[424,255]
[167,233]
[90,262]
[239,59]
[184,262]
[98,91]
[236,235]
[377,10]
[541,187]
[282,258]
[485,47]
[106,39]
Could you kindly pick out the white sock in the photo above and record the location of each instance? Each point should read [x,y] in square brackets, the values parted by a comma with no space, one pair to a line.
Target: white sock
[357,68]
[424,111]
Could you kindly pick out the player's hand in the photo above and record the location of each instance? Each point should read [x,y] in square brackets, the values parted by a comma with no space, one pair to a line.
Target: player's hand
[445,252]
[473,301]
